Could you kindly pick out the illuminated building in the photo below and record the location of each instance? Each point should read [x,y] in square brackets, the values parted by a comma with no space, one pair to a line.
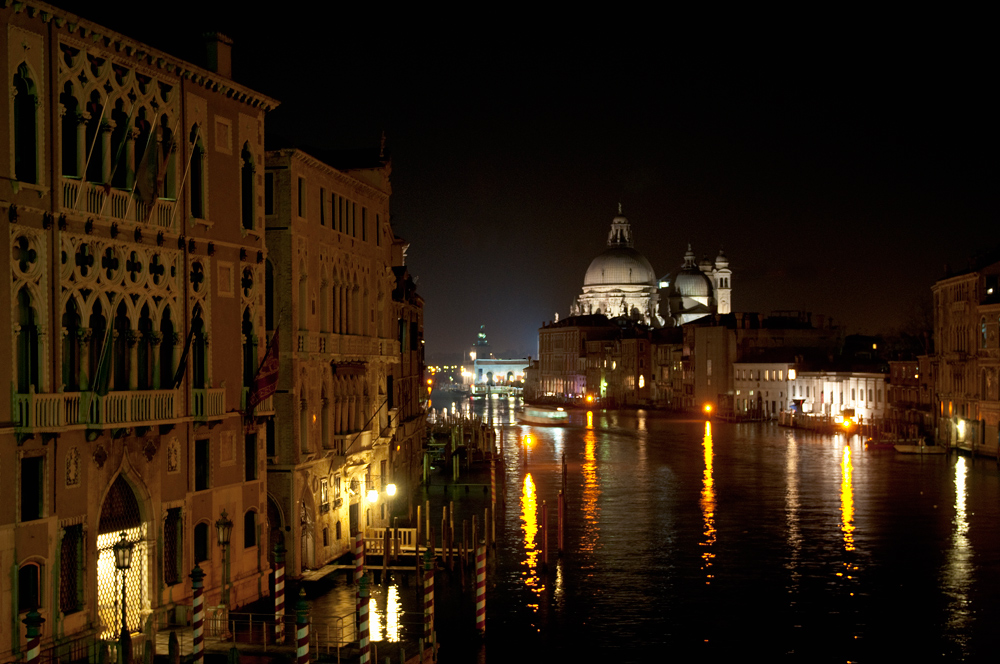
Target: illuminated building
[562,354]
[619,281]
[697,290]
[135,254]
[966,361]
[350,329]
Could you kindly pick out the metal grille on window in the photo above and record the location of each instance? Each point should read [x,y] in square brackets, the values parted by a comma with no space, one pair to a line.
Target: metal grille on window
[71,570]
[120,513]
[171,540]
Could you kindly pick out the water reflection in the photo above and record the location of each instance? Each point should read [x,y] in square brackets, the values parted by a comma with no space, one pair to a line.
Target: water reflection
[529,521]
[590,419]
[847,499]
[708,505]
[792,510]
[591,491]
[958,571]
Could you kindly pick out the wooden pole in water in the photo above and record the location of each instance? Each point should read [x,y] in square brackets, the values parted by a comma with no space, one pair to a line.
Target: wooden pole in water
[451,531]
[420,525]
[427,512]
[385,556]
[430,543]
[481,589]
[475,530]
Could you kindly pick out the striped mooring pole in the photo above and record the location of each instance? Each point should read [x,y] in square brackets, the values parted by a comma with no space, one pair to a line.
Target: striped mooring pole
[302,629]
[428,597]
[359,566]
[198,620]
[363,645]
[493,482]
[33,621]
[279,593]
[481,588]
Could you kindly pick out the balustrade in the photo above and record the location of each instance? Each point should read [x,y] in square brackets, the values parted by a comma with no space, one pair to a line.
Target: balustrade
[123,204]
[43,411]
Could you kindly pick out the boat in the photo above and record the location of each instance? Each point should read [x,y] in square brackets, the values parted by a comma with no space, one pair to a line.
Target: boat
[920,449]
[544,415]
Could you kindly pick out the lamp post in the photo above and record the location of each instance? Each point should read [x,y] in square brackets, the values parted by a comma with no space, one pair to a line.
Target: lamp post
[123,561]
[224,527]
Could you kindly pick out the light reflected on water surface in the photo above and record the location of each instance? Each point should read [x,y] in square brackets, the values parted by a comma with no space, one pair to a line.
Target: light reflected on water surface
[708,505]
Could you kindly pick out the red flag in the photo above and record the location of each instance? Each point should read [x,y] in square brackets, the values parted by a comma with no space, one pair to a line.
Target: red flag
[266,381]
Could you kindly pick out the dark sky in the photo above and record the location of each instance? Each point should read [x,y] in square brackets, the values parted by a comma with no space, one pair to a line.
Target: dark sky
[839,171]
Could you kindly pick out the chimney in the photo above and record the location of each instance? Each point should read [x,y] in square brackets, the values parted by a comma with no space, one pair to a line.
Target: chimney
[219,53]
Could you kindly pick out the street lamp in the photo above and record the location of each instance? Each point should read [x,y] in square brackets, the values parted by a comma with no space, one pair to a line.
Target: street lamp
[123,561]
[224,527]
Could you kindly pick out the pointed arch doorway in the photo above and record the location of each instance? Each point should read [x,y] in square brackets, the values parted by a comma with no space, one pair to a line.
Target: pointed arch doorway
[121,513]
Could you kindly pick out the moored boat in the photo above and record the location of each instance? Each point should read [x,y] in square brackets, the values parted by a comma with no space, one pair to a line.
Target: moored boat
[920,449]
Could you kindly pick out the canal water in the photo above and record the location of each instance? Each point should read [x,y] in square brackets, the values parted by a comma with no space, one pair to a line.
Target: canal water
[686,538]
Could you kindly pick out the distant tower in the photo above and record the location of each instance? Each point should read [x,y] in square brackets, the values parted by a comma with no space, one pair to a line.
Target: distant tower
[481,349]
[722,276]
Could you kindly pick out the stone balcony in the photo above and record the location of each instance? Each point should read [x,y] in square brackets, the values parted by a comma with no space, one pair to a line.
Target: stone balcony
[68,409]
[115,204]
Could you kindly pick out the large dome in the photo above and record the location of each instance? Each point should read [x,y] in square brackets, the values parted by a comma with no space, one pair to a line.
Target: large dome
[620,266]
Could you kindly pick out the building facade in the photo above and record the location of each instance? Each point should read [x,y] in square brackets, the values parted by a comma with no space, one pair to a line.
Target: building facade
[966,362]
[350,345]
[135,238]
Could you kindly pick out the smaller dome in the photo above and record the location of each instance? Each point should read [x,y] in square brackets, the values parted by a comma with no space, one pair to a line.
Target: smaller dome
[721,261]
[692,283]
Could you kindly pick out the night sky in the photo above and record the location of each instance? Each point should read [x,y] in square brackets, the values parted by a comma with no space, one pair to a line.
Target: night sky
[840,171]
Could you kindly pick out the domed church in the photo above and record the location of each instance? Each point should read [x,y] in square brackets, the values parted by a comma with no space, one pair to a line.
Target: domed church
[620,282]
[697,289]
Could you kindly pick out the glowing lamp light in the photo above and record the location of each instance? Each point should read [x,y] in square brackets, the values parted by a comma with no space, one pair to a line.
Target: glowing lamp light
[123,552]
[642,381]
[708,408]
[372,496]
[590,398]
[791,374]
[527,440]
[390,490]
[961,428]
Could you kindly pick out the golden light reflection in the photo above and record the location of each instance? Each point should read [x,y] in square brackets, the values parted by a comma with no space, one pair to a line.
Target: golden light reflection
[958,569]
[590,419]
[708,506]
[847,499]
[591,492]
[529,523]
[792,509]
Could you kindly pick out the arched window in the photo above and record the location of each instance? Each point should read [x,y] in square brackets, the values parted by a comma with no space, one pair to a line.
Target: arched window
[29,591]
[247,186]
[145,352]
[167,179]
[249,349]
[268,295]
[25,126]
[197,169]
[303,423]
[121,348]
[249,529]
[27,344]
[166,351]
[201,548]
[982,332]
[99,339]
[71,347]
[94,141]
[199,351]
[121,167]
[70,125]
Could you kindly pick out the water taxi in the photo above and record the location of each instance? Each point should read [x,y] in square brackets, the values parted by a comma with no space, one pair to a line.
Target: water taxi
[544,415]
